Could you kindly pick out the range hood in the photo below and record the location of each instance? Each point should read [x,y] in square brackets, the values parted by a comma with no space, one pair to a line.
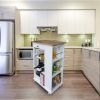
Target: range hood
[47,28]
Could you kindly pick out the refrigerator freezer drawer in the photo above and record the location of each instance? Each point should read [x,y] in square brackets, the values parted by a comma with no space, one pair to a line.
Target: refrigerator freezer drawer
[6,64]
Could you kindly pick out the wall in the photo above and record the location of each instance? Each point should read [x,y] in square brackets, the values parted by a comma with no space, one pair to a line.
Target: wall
[19,40]
[71,40]
[60,5]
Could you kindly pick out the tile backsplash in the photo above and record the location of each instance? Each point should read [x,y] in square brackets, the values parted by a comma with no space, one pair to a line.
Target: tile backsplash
[70,39]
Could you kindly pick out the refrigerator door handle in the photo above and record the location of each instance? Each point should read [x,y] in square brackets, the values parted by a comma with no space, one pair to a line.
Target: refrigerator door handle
[4,54]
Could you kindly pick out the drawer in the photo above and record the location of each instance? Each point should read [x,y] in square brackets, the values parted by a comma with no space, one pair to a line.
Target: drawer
[77,67]
[20,67]
[68,52]
[77,62]
[68,63]
[68,68]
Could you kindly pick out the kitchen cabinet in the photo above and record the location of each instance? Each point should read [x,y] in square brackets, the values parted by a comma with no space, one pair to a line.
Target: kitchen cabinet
[67,21]
[28,22]
[24,64]
[77,60]
[91,67]
[53,18]
[48,67]
[7,13]
[42,18]
[95,69]
[86,62]
[68,59]
[72,59]
[76,22]
[48,18]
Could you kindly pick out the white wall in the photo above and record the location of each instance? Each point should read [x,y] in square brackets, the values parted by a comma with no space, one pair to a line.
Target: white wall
[61,5]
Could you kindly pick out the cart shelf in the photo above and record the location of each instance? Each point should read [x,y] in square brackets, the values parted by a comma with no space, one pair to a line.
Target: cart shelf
[48,59]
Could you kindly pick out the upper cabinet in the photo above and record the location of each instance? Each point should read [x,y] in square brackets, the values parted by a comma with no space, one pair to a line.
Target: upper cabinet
[47,18]
[52,18]
[7,13]
[67,21]
[28,20]
[42,18]
[76,22]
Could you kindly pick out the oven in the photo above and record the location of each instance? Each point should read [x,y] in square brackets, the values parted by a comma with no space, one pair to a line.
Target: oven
[25,54]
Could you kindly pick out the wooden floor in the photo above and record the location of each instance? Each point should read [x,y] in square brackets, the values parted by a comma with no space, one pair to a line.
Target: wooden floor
[21,86]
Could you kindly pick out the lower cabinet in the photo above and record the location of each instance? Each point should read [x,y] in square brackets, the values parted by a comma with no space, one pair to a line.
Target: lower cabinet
[24,65]
[77,59]
[72,58]
[95,69]
[91,67]
[68,59]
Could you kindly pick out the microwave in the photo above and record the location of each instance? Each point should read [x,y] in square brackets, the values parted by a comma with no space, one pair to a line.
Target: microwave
[25,54]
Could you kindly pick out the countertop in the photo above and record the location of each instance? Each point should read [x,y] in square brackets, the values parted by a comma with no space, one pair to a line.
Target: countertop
[49,42]
[89,48]
[64,47]
[73,47]
[24,47]
[93,48]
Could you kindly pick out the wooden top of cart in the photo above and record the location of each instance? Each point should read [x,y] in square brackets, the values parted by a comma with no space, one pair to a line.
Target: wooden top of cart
[50,42]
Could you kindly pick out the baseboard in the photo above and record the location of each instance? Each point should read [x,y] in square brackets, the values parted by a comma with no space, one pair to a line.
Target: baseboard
[72,71]
[24,71]
[65,71]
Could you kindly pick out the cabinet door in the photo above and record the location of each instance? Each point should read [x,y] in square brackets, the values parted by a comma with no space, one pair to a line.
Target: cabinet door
[28,21]
[24,65]
[76,22]
[52,17]
[77,59]
[68,59]
[66,22]
[90,21]
[85,61]
[42,18]
[94,69]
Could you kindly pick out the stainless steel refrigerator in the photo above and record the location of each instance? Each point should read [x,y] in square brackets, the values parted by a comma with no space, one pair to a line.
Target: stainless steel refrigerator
[7,42]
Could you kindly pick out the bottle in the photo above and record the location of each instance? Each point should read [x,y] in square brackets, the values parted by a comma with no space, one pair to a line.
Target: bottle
[54,54]
[40,65]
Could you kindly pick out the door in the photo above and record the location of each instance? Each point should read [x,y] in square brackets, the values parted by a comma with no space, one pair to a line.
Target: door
[5,63]
[6,47]
[6,29]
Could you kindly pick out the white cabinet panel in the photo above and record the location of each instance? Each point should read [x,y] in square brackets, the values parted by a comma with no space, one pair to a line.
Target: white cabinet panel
[90,21]
[48,18]
[42,18]
[68,21]
[76,22]
[28,21]
[52,17]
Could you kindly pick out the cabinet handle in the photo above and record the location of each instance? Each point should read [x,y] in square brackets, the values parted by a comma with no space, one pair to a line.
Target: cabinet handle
[99,56]
[74,51]
[89,54]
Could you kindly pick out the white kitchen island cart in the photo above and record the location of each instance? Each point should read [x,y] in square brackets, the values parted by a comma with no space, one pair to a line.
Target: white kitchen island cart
[48,62]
